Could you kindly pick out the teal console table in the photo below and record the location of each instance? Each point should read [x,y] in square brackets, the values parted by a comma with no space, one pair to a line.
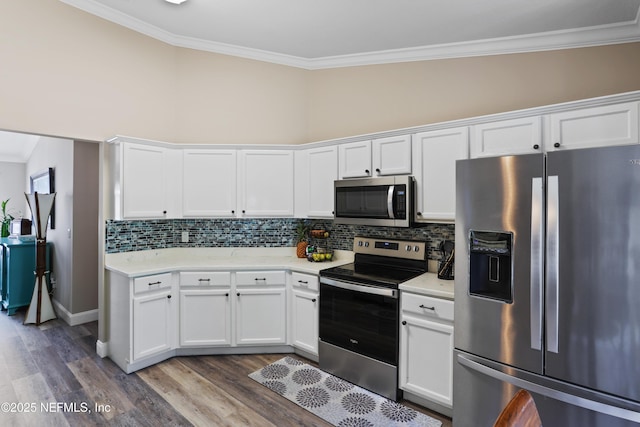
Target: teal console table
[17,266]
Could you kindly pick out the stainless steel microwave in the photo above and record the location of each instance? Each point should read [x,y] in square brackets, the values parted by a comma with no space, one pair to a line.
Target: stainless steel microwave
[386,201]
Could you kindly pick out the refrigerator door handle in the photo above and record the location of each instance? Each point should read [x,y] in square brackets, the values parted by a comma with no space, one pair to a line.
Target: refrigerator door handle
[550,392]
[553,262]
[537,247]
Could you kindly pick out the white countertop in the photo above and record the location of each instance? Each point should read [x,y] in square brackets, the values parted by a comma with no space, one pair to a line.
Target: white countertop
[142,263]
[429,284]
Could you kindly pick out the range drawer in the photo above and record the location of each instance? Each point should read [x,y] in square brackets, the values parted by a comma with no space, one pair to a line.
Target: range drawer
[305,281]
[261,278]
[151,283]
[429,307]
[205,278]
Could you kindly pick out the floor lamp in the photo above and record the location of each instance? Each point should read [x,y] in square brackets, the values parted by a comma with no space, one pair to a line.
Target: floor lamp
[40,310]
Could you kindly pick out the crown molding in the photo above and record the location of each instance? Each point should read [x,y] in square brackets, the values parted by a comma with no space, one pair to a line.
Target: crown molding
[626,32]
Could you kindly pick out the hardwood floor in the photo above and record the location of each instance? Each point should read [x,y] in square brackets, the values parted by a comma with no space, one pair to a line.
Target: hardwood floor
[50,375]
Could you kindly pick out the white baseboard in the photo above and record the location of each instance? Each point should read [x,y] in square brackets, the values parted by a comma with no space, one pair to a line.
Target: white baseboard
[102,348]
[73,319]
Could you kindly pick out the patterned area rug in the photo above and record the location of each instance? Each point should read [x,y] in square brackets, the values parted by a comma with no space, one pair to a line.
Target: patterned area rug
[336,401]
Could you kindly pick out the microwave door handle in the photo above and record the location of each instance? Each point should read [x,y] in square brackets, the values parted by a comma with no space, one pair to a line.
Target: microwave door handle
[390,194]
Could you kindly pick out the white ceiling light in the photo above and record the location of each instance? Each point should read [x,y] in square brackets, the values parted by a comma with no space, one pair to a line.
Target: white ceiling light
[176,1]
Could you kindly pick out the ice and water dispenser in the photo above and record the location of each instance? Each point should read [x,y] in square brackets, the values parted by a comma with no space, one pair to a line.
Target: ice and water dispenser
[490,265]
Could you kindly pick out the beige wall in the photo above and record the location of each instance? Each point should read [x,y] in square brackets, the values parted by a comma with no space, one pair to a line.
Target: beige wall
[357,100]
[67,73]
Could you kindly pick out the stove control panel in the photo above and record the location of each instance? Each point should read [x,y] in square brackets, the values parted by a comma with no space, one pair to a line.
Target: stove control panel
[408,249]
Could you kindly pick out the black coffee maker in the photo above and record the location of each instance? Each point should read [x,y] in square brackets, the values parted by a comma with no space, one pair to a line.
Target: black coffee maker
[445,267]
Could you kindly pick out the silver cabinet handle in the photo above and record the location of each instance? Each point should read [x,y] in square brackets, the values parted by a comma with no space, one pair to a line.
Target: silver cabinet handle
[553,263]
[537,233]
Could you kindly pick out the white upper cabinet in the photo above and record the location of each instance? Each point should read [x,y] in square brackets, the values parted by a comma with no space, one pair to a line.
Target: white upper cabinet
[377,157]
[265,183]
[146,185]
[209,183]
[434,167]
[392,156]
[355,160]
[506,137]
[316,170]
[593,127]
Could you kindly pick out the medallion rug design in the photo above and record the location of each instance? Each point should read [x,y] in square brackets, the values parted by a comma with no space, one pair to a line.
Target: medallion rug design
[336,401]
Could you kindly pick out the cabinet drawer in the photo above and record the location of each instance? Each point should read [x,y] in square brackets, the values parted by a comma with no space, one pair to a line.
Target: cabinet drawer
[244,278]
[434,308]
[205,278]
[305,281]
[151,283]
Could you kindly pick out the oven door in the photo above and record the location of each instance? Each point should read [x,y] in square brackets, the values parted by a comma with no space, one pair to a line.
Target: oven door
[360,318]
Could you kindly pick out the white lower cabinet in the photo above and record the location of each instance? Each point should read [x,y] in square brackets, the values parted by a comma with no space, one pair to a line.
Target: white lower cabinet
[426,348]
[205,317]
[260,311]
[305,304]
[153,316]
[205,308]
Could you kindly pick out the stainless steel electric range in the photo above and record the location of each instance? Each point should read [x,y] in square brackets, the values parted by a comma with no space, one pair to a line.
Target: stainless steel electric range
[360,312]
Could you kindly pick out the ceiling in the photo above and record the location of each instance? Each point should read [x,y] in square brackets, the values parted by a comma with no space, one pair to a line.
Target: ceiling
[16,147]
[316,34]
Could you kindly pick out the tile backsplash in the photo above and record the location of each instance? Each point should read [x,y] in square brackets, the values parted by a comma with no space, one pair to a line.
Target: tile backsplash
[138,235]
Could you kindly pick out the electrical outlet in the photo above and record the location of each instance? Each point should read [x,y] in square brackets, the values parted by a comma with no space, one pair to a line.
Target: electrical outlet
[185,237]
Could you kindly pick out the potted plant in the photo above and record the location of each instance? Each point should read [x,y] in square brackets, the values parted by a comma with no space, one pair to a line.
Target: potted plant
[302,231]
[6,219]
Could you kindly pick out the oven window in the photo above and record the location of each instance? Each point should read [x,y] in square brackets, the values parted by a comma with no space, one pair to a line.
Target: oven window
[363,323]
[362,202]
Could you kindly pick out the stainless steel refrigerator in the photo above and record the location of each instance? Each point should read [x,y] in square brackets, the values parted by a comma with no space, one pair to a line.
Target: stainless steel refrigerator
[547,286]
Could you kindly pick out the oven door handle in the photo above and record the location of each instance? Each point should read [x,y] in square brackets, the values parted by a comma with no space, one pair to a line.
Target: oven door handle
[392,293]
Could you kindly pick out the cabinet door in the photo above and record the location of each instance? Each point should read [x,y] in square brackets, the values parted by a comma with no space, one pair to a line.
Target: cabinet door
[435,155]
[355,160]
[205,317]
[144,189]
[593,127]
[426,359]
[152,324]
[507,137]
[266,183]
[392,156]
[261,316]
[209,183]
[304,320]
[322,172]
